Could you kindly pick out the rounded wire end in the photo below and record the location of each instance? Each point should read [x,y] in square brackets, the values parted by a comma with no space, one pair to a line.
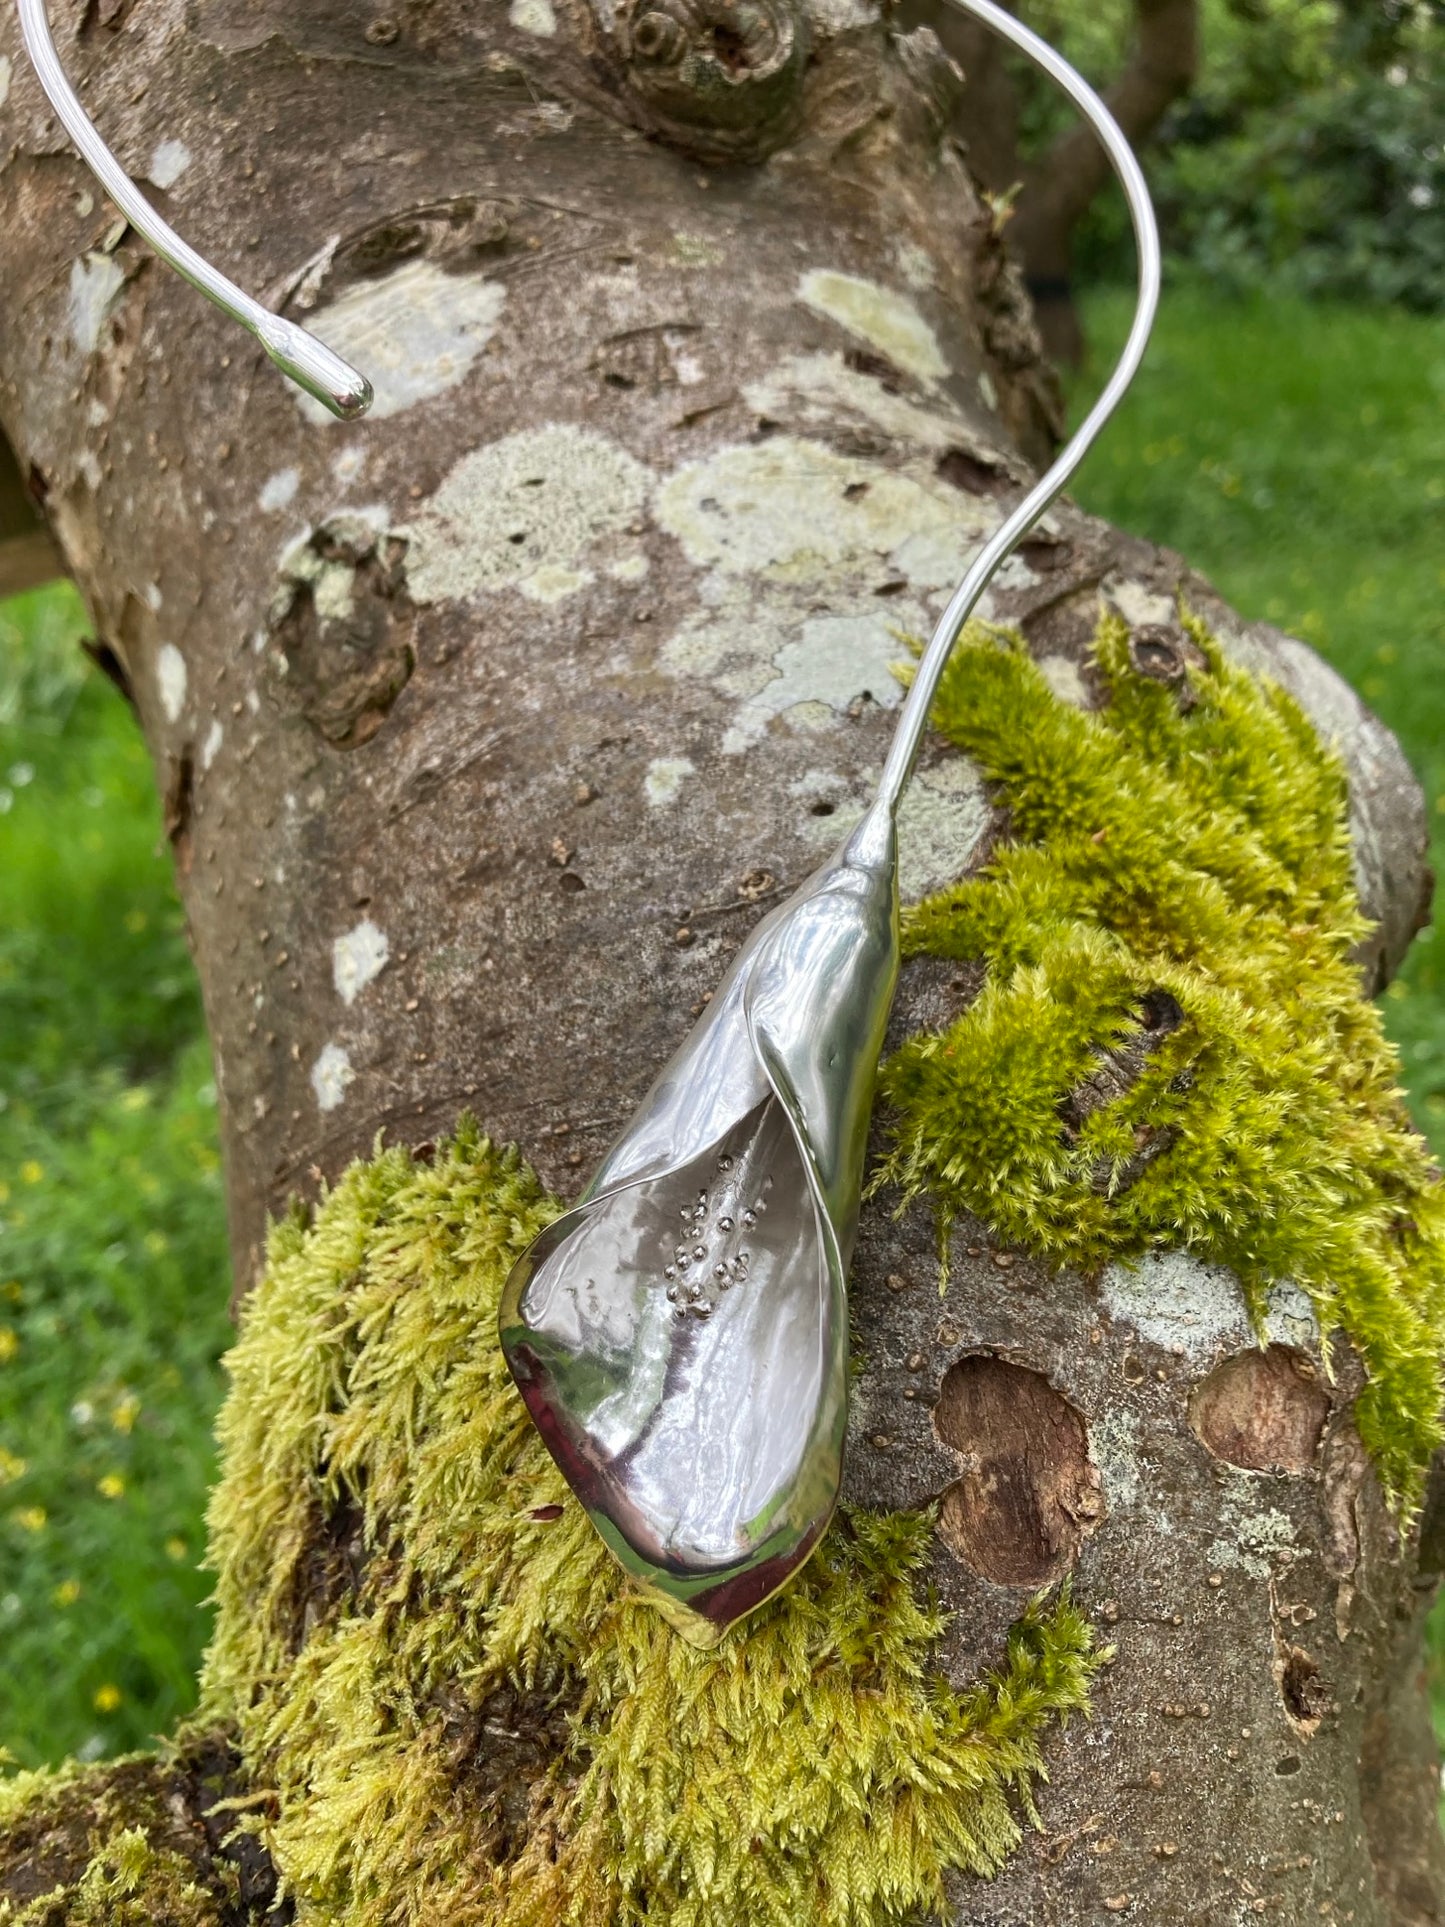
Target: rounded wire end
[324,374]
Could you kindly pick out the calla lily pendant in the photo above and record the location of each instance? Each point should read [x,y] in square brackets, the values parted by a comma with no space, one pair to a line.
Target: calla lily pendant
[681,1335]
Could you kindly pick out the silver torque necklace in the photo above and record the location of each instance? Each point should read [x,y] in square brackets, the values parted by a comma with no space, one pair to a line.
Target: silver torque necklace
[680,1336]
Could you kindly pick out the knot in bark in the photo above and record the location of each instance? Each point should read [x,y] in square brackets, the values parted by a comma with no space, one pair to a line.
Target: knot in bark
[721,78]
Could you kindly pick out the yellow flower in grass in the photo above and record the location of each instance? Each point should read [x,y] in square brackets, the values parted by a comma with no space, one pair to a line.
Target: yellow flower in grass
[30,1518]
[126,1412]
[67,1592]
[176,1548]
[112,1486]
[106,1698]
[12,1467]
[31,1171]
[9,1344]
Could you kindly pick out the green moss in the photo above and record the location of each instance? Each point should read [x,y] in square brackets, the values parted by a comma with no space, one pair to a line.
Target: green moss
[467,1634]
[1199,849]
[112,1845]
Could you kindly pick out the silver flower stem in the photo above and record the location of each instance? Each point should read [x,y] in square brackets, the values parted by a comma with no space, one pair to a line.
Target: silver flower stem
[1051,485]
[307,361]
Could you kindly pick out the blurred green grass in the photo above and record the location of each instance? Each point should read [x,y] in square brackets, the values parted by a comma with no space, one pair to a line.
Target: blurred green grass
[113,1278]
[1289,451]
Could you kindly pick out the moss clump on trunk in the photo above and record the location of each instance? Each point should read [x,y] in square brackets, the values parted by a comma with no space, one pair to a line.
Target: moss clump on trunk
[430,1657]
[145,1841]
[1184,849]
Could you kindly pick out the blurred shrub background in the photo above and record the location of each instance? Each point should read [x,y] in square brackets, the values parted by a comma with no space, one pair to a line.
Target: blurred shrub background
[1309,158]
[1286,435]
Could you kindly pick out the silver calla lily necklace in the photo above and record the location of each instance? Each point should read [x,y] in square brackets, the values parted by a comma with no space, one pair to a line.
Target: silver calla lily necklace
[680,1336]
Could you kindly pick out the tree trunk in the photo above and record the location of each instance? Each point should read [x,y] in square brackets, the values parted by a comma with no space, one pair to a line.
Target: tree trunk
[488,726]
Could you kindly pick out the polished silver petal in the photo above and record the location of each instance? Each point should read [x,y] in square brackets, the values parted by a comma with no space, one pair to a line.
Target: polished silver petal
[681,1336]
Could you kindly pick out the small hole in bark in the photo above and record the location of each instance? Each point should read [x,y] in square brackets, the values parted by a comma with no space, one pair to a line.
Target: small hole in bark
[1162,1012]
[571,882]
[822,809]
[1133,1370]
[1263,1410]
[1165,654]
[657,36]
[855,491]
[1289,1764]
[1043,553]
[862,362]
[968,472]
[1155,652]
[1306,1694]
[1029,1493]
[730,48]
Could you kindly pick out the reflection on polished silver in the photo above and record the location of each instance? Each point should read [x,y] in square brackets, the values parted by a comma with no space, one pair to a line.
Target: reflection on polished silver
[680,1335]
[308,362]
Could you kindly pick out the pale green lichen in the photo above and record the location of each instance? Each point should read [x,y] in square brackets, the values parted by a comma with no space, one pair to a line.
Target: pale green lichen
[399,1562]
[1198,848]
[888,321]
[525,513]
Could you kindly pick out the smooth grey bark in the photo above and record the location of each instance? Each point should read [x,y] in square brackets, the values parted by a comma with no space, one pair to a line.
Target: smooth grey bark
[487,727]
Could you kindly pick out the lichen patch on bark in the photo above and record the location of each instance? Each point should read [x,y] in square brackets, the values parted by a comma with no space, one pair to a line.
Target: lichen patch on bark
[416,330]
[794,511]
[887,321]
[96,281]
[525,512]
[826,391]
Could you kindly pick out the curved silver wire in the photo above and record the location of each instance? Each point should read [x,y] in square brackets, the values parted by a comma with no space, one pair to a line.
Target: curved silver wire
[1010,532]
[299,355]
